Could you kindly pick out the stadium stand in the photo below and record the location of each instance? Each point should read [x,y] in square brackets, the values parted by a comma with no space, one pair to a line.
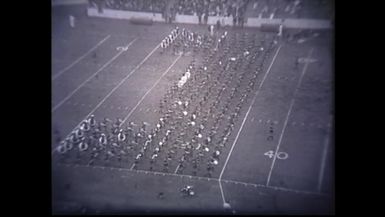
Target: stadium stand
[250,13]
[318,9]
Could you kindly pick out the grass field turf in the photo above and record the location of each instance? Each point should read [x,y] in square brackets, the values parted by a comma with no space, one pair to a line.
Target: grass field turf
[303,139]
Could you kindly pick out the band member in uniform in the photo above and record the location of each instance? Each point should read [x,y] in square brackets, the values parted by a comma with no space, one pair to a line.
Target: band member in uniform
[85,126]
[163,46]
[129,132]
[92,121]
[121,136]
[143,128]
[103,140]
[167,43]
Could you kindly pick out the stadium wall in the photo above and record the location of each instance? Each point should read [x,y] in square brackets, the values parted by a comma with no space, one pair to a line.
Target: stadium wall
[109,13]
[186,19]
[250,22]
[226,21]
[68,2]
[291,23]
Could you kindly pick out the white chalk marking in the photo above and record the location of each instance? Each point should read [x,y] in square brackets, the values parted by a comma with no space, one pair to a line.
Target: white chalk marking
[88,79]
[270,154]
[211,179]
[113,90]
[80,58]
[282,155]
[144,96]
[323,160]
[223,196]
[177,168]
[286,119]
[244,119]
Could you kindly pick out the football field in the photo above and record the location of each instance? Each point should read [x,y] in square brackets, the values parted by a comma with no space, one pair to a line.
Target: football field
[279,158]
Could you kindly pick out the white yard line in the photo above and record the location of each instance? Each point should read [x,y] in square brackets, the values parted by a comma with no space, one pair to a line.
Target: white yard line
[140,101]
[92,76]
[220,188]
[323,160]
[244,120]
[177,168]
[80,58]
[144,96]
[287,118]
[113,90]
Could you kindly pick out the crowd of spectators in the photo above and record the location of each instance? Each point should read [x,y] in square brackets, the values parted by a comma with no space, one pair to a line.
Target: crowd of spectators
[237,9]
[205,8]
[154,6]
[211,7]
[316,9]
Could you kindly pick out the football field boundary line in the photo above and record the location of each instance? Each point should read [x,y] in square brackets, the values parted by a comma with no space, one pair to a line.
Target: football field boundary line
[227,181]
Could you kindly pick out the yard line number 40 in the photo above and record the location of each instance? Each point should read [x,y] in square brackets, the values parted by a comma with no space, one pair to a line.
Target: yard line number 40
[280,155]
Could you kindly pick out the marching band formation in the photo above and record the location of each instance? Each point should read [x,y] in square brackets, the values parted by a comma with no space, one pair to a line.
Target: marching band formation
[198,114]
[184,42]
